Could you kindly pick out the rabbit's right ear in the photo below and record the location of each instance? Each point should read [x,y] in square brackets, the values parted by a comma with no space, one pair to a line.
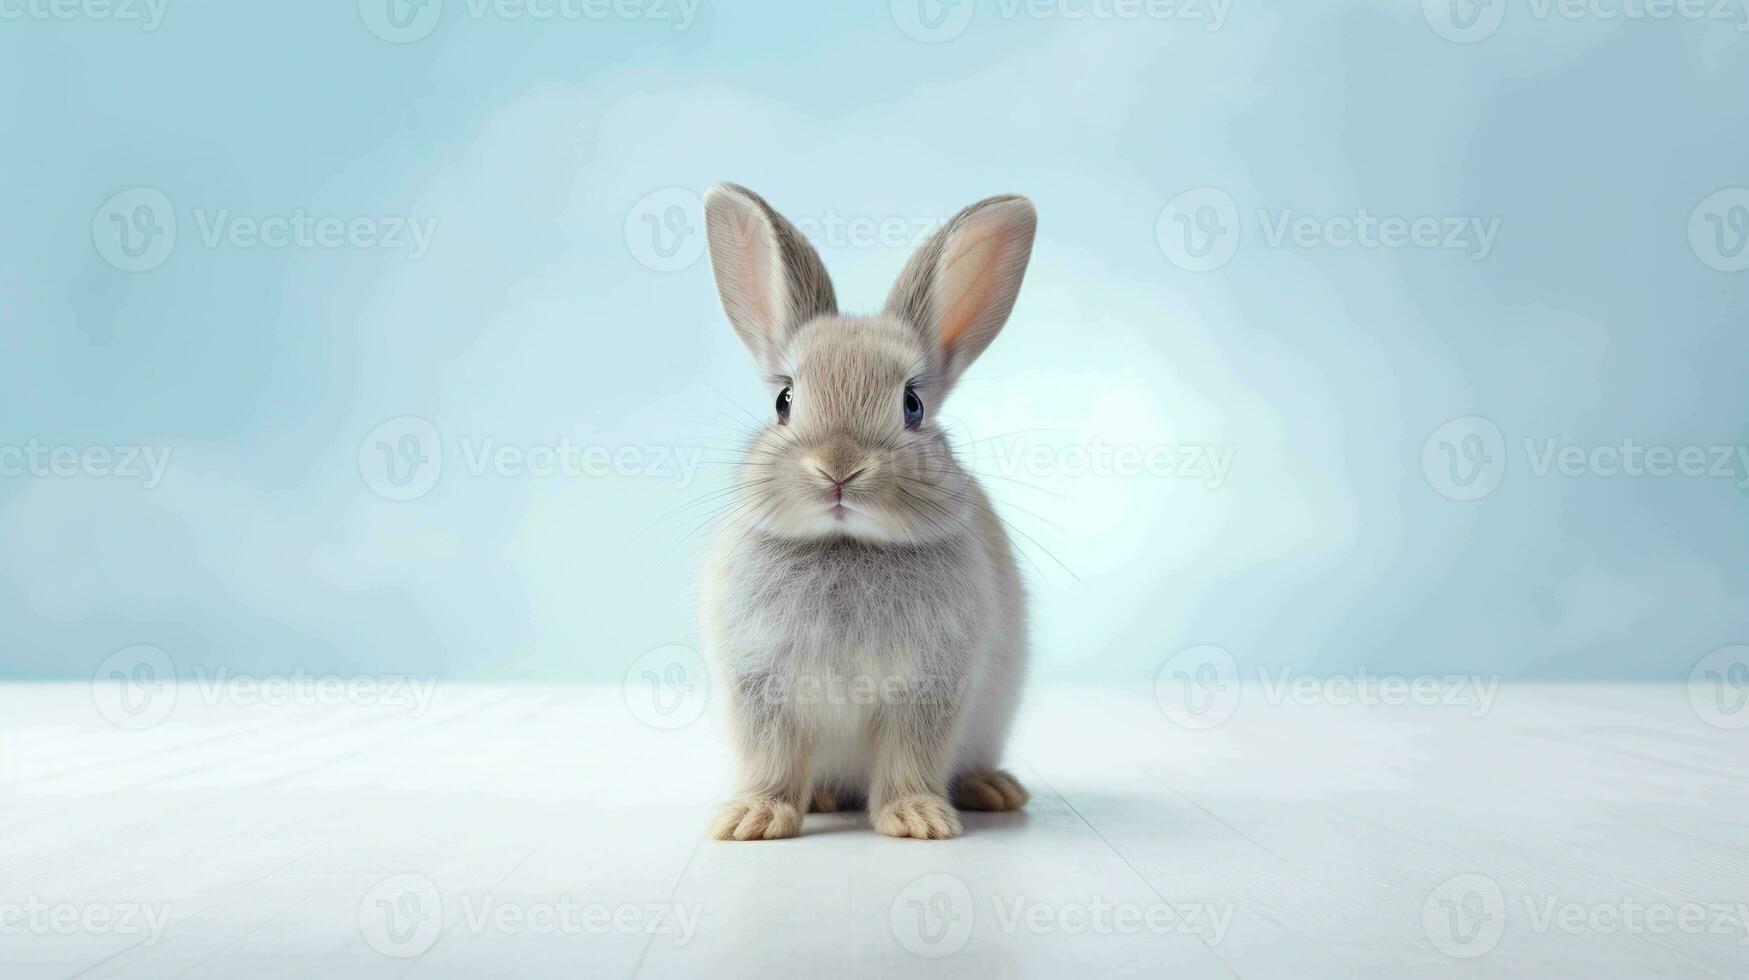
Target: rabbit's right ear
[770,279]
[959,288]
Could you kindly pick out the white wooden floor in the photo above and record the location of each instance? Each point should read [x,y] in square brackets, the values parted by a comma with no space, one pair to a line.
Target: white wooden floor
[1587,831]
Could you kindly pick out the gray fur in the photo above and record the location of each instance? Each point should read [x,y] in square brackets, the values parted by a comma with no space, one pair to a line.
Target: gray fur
[877,652]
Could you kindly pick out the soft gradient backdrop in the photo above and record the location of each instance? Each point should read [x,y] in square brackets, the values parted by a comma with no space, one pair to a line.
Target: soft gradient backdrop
[1593,295]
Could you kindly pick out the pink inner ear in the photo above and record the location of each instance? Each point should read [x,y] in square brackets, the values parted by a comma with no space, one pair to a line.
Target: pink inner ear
[757,286]
[968,277]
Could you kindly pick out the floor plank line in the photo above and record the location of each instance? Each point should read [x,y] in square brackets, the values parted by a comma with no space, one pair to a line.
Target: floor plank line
[1127,863]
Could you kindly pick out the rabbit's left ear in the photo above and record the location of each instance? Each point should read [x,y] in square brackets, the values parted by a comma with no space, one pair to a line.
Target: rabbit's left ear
[959,288]
[770,279]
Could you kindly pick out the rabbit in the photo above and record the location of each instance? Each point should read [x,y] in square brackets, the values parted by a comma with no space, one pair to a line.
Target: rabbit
[861,606]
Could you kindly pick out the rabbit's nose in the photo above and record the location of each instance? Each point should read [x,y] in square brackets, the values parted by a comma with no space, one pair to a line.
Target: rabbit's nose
[839,482]
[838,466]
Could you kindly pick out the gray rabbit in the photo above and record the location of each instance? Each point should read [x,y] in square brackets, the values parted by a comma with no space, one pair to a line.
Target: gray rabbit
[861,604]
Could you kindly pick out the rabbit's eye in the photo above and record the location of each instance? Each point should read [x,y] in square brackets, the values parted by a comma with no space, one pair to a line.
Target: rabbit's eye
[783,402]
[913,408]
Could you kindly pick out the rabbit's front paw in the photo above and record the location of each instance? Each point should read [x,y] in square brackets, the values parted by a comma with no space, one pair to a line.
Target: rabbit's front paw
[924,816]
[756,818]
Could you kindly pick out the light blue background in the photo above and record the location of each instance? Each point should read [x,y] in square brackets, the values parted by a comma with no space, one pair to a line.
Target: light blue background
[535,315]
